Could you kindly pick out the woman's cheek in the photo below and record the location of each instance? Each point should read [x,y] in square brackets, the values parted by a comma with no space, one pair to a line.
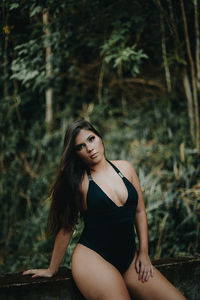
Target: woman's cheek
[100,146]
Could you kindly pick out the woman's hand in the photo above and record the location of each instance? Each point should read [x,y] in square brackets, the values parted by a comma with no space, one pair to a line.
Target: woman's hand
[143,267]
[39,273]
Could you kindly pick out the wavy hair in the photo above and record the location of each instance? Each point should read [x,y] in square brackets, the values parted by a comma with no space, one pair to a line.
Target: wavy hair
[65,189]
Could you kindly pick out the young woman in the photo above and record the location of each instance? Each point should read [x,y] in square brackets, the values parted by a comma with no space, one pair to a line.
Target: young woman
[105,264]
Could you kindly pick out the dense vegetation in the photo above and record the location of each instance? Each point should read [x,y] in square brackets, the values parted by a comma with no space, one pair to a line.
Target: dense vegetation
[130,67]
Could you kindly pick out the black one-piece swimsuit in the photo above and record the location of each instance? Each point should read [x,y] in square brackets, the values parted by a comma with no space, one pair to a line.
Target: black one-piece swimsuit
[109,229]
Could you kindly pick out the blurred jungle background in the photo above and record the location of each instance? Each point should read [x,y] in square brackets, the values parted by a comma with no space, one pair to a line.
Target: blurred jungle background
[130,67]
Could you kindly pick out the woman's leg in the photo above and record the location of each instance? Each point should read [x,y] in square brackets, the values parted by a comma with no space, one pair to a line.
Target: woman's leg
[156,288]
[95,277]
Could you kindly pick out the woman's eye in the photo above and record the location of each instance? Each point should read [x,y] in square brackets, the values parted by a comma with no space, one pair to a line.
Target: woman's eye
[79,147]
[91,138]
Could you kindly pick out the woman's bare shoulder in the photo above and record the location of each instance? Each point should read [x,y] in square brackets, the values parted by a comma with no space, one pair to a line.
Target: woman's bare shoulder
[128,171]
[125,166]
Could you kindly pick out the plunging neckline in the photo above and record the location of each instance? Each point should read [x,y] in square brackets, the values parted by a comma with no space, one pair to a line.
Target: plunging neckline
[102,191]
[109,197]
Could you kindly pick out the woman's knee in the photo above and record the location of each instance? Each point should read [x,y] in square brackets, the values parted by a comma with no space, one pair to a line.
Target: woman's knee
[157,287]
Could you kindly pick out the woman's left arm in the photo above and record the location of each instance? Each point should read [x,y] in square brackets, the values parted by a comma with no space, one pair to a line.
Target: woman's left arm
[143,264]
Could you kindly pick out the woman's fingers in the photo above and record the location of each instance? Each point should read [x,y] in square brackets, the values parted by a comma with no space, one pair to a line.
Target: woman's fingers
[28,272]
[142,270]
[145,273]
[35,276]
[38,273]
[151,271]
[137,265]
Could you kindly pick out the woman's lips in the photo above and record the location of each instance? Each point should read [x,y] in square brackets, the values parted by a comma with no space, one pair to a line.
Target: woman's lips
[93,155]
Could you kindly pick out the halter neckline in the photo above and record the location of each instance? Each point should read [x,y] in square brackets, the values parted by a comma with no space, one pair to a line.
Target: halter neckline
[116,169]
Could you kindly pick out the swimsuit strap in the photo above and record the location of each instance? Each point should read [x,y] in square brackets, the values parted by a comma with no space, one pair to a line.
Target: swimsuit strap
[89,175]
[116,169]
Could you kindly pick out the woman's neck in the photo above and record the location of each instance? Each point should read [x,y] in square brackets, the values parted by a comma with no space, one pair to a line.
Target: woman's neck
[100,166]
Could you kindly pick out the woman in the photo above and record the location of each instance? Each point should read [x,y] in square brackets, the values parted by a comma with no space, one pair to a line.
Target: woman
[105,264]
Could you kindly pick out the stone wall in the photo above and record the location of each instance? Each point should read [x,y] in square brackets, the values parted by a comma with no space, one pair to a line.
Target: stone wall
[184,273]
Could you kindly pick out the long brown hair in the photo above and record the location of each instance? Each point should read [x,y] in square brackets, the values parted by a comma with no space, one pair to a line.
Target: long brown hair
[66,203]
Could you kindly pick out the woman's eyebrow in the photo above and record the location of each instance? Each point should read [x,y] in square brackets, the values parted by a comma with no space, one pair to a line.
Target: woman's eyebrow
[78,145]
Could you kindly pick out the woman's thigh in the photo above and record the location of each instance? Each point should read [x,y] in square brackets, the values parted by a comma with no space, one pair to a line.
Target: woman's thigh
[95,277]
[156,288]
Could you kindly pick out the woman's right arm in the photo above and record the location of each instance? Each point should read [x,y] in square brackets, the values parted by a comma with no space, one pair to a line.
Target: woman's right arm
[61,242]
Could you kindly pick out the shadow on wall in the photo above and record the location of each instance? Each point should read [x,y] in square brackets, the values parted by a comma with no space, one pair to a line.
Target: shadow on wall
[184,273]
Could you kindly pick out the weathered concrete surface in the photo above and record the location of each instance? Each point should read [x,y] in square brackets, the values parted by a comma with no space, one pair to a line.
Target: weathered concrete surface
[60,287]
[184,273]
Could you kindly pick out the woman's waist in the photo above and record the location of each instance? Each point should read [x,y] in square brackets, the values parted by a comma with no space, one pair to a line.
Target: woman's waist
[109,225]
[109,217]
[108,235]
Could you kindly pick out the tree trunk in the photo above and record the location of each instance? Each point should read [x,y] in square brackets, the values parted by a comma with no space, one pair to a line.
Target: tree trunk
[174,27]
[186,84]
[100,82]
[164,55]
[192,68]
[197,54]
[5,60]
[49,91]
[123,98]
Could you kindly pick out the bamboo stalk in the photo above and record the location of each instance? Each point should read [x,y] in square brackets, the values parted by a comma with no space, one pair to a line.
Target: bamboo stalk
[165,16]
[5,60]
[197,54]
[173,25]
[164,55]
[186,81]
[192,68]
[100,82]
[188,93]
[123,98]
[49,91]
[160,235]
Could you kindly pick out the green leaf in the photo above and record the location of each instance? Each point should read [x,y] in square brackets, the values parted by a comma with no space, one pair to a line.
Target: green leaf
[13,6]
[35,11]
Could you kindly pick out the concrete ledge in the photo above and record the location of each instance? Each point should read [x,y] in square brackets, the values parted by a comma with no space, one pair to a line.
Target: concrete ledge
[61,286]
[184,273]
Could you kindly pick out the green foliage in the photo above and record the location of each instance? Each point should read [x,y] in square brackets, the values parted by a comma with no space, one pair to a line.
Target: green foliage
[168,173]
[25,66]
[14,6]
[116,51]
[95,47]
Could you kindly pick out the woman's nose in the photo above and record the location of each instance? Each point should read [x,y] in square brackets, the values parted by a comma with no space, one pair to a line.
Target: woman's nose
[89,148]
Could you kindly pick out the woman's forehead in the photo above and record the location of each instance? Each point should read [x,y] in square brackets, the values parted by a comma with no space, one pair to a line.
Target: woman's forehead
[83,135]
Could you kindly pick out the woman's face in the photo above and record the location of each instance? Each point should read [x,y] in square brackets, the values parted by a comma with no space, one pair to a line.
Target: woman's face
[89,147]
